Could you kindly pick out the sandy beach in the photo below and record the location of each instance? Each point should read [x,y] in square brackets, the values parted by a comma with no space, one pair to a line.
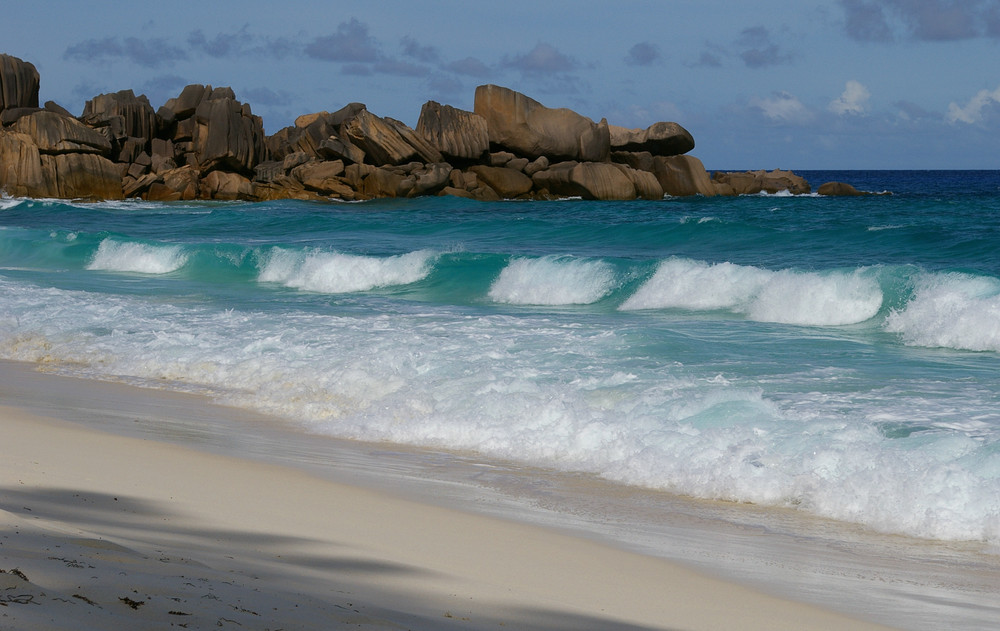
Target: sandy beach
[109,531]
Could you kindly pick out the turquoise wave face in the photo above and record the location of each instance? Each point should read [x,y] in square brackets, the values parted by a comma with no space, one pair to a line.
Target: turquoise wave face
[835,355]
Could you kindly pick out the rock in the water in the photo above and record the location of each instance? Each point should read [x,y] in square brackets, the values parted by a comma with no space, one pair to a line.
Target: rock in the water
[507,183]
[80,176]
[681,176]
[20,165]
[526,127]
[753,182]
[228,186]
[589,180]
[659,139]
[842,189]
[18,83]
[457,134]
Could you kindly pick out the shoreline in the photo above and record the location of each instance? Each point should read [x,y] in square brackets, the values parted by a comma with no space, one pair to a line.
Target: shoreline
[154,515]
[900,581]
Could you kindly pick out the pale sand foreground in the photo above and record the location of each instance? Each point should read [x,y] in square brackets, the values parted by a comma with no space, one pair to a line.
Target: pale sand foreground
[127,533]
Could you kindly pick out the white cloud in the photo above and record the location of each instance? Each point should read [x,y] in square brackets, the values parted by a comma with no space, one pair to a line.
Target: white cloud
[973,112]
[854,100]
[782,107]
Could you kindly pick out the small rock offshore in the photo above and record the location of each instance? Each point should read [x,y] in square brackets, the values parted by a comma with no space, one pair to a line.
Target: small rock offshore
[206,144]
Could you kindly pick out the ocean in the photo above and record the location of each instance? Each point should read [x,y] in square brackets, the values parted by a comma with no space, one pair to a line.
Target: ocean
[838,357]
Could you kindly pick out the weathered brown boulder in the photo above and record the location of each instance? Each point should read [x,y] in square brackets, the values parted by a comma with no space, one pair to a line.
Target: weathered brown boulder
[20,165]
[337,148]
[182,181]
[228,186]
[457,134]
[659,139]
[18,83]
[523,125]
[321,177]
[425,150]
[48,155]
[386,183]
[379,140]
[430,178]
[508,183]
[589,180]
[80,176]
[639,160]
[831,189]
[139,118]
[754,182]
[54,134]
[681,176]
[227,135]
[645,183]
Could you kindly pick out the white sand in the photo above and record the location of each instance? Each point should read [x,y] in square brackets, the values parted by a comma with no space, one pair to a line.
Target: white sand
[96,521]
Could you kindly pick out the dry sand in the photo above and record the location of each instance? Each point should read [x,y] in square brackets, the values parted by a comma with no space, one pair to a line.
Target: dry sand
[101,531]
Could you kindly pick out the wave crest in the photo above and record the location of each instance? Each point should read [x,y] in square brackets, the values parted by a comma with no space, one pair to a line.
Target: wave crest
[553,280]
[335,273]
[786,297]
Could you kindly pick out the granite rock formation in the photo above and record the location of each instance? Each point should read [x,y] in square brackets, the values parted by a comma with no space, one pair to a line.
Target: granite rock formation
[206,144]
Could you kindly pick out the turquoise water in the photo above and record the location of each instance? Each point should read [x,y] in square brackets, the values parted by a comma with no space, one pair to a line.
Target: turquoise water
[836,355]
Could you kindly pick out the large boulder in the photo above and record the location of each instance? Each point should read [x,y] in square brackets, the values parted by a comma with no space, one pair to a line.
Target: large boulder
[227,135]
[20,165]
[681,176]
[54,134]
[18,83]
[139,117]
[645,183]
[380,141]
[528,128]
[659,139]
[839,189]
[80,176]
[507,183]
[425,150]
[589,180]
[457,134]
[227,186]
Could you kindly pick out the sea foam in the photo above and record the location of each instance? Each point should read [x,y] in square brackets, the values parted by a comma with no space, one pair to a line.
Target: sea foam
[553,280]
[950,310]
[334,272]
[144,258]
[787,297]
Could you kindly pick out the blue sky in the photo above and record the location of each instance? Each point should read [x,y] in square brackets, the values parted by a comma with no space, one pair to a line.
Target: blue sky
[803,84]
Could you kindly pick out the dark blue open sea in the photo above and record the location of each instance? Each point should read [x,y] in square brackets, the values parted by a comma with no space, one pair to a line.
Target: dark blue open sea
[840,356]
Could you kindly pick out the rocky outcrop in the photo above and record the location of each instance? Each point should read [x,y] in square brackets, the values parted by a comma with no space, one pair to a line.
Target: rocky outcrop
[18,83]
[527,128]
[660,139]
[755,182]
[206,144]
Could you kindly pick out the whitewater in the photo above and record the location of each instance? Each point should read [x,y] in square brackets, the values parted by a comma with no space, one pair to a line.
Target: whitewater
[836,356]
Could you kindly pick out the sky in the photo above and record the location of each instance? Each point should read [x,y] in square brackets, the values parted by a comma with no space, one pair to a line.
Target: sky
[804,84]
